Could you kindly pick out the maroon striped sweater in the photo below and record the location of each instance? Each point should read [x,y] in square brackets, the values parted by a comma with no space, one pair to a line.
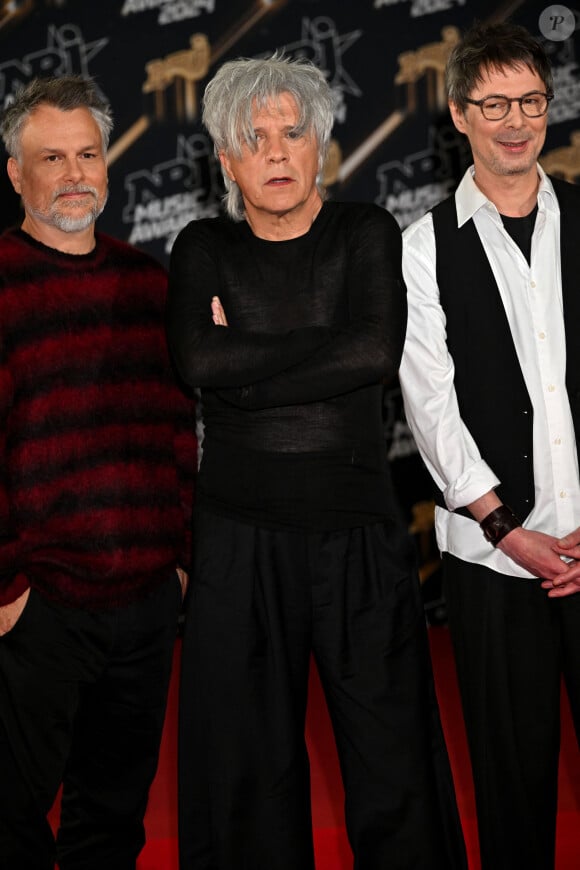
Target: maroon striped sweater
[97,443]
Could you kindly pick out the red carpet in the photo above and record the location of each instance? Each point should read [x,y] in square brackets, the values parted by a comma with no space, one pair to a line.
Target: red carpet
[332,850]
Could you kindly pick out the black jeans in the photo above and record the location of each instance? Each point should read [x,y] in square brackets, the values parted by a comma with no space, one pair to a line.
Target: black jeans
[82,702]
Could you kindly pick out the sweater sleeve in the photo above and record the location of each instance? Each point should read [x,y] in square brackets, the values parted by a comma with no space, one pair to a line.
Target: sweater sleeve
[215,357]
[366,350]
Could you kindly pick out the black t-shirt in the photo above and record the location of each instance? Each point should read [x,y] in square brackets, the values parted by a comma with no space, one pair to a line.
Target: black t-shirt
[292,388]
[521,230]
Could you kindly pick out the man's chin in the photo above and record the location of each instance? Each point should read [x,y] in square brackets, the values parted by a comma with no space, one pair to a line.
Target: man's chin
[74,223]
[518,166]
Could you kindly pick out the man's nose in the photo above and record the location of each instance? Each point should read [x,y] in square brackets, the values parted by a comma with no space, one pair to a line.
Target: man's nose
[277,150]
[515,116]
[73,169]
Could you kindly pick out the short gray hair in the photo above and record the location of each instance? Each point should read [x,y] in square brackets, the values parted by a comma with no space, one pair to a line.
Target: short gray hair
[65,93]
[242,85]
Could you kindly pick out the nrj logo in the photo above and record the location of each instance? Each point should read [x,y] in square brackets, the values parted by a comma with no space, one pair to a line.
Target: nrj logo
[165,198]
[65,52]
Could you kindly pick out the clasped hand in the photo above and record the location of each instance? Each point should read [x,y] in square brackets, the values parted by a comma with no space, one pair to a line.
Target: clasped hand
[568,582]
[555,560]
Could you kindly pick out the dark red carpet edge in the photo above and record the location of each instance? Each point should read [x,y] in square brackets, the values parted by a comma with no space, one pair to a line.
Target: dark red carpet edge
[331,845]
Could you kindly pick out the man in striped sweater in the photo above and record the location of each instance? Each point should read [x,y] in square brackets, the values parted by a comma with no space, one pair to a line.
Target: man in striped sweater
[97,455]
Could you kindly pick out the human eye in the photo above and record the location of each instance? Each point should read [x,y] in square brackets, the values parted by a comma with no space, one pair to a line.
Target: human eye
[495,104]
[294,133]
[533,101]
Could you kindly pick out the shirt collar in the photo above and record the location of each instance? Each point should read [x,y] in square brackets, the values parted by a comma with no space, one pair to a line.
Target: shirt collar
[469,199]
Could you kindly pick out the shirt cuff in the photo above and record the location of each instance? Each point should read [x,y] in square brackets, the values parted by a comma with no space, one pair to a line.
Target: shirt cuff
[478,480]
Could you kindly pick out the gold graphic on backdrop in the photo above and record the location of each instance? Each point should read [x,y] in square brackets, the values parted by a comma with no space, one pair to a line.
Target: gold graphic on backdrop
[564,162]
[430,61]
[10,11]
[180,71]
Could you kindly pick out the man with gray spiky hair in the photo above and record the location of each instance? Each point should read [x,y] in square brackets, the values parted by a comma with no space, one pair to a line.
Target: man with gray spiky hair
[289,313]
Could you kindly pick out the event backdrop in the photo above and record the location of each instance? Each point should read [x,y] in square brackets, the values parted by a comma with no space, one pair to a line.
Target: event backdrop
[393,142]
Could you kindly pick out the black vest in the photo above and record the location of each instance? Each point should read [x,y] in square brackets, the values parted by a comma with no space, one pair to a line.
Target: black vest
[493,398]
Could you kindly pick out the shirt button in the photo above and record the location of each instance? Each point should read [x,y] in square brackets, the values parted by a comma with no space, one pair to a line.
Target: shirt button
[551,388]
[541,335]
[532,283]
[563,493]
[557,440]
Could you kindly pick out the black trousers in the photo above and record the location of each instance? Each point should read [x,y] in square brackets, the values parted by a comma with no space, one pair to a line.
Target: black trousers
[82,701]
[513,645]
[260,603]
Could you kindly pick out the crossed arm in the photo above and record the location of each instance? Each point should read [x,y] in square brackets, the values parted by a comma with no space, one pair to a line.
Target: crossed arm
[257,369]
[360,354]
[222,359]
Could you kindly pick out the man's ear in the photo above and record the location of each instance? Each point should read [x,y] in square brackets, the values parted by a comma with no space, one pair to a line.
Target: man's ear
[457,116]
[225,162]
[14,173]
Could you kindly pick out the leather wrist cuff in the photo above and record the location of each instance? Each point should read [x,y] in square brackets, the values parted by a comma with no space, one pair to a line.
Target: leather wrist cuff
[498,524]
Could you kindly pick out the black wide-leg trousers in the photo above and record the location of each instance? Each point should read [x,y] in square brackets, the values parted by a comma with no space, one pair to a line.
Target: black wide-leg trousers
[82,701]
[261,602]
[513,647]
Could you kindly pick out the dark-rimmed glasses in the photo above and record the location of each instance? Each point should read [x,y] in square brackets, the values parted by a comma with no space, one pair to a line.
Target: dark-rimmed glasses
[496,107]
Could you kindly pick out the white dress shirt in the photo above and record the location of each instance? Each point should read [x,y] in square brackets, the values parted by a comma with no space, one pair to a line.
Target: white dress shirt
[532,298]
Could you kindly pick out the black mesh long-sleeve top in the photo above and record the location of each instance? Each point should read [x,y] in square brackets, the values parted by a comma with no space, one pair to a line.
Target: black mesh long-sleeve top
[292,387]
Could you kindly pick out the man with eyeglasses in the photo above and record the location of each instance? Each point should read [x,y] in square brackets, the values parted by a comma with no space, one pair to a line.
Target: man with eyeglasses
[491,382]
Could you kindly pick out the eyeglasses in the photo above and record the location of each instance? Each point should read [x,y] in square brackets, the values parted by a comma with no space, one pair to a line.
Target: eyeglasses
[533,104]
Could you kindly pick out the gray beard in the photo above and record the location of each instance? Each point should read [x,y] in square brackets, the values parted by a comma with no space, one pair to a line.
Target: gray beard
[70,223]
